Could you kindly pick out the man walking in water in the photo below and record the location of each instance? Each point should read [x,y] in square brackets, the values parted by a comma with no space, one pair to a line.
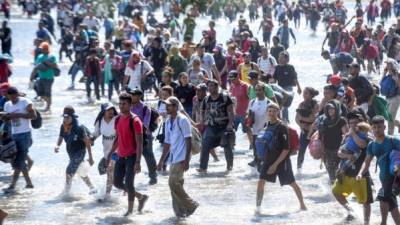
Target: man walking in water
[178,144]
[278,162]
[129,141]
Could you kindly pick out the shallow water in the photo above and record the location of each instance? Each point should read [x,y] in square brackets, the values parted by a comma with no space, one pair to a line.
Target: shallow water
[224,198]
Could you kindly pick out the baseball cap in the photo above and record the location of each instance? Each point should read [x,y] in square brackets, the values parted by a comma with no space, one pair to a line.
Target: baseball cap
[172,101]
[233,75]
[135,91]
[335,79]
[353,64]
[69,111]
[202,87]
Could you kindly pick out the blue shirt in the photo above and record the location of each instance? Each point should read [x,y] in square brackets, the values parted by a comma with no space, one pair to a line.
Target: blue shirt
[382,153]
[351,144]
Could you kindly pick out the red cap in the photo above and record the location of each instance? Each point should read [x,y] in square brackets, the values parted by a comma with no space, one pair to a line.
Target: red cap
[335,79]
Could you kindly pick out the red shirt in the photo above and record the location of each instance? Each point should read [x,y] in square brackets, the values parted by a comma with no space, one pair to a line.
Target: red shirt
[126,140]
[239,91]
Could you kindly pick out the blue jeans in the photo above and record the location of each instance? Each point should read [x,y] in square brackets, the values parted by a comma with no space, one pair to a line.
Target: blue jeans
[150,159]
[303,146]
[240,120]
[23,142]
[95,80]
[285,111]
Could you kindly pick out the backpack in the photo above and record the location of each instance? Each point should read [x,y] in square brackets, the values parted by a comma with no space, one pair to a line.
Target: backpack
[88,133]
[8,151]
[294,142]
[154,115]
[196,138]
[37,122]
[315,146]
[388,87]
[265,141]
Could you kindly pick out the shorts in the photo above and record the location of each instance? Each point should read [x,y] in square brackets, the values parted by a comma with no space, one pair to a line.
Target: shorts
[44,87]
[75,160]
[23,142]
[284,173]
[240,120]
[385,194]
[361,189]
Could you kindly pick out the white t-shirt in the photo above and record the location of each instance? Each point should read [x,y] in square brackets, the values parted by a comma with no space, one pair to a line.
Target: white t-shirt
[135,76]
[175,133]
[20,125]
[259,107]
[207,62]
[107,130]
[267,65]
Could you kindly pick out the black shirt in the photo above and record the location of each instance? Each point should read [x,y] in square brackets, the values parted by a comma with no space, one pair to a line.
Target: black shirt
[281,138]
[332,135]
[187,93]
[362,88]
[216,111]
[285,75]
[275,50]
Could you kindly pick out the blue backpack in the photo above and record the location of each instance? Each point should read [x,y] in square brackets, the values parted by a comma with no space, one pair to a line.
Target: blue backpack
[265,141]
[388,87]
[344,57]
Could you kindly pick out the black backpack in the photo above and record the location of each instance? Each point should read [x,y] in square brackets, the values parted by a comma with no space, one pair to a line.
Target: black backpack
[154,115]
[37,122]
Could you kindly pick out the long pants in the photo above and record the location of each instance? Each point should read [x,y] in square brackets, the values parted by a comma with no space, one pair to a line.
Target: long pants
[211,139]
[112,84]
[331,163]
[285,110]
[303,147]
[181,202]
[95,81]
[75,68]
[150,159]
[124,175]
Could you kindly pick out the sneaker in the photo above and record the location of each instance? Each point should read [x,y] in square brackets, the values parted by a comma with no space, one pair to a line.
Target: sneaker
[29,186]
[142,202]
[153,181]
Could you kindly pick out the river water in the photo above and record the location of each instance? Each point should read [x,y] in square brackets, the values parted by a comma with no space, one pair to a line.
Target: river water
[224,198]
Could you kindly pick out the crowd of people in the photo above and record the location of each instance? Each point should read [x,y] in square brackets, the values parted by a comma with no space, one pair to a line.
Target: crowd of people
[206,90]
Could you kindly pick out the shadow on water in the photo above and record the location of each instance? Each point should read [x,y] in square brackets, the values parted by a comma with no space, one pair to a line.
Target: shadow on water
[309,176]
[260,217]
[173,221]
[114,220]
[221,174]
[321,198]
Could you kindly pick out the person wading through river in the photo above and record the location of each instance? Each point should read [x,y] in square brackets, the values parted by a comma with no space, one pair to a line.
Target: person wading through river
[129,141]
[178,144]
